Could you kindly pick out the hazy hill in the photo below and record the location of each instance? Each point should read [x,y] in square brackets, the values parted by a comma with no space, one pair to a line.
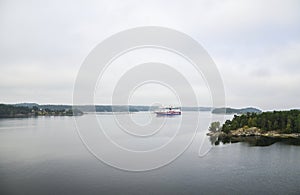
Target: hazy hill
[235,111]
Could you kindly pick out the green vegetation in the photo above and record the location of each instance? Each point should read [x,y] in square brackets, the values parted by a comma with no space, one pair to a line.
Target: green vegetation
[15,111]
[215,127]
[235,111]
[280,121]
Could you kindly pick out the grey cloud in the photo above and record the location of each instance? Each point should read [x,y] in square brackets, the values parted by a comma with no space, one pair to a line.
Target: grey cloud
[254,43]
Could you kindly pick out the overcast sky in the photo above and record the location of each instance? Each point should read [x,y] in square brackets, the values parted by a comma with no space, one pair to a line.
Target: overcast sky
[255,44]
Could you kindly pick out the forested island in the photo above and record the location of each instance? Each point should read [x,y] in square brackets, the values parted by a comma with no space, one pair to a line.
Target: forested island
[276,124]
[17,111]
[235,110]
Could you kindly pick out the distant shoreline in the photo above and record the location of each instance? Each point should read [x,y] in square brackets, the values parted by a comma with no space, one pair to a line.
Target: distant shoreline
[13,111]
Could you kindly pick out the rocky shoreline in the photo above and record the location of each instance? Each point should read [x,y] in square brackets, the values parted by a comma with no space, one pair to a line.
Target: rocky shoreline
[253,131]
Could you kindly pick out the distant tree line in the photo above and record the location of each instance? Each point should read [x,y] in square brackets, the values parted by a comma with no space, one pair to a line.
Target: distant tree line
[235,111]
[283,121]
[12,111]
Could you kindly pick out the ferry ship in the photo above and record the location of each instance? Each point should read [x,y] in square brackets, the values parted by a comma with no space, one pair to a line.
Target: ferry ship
[168,111]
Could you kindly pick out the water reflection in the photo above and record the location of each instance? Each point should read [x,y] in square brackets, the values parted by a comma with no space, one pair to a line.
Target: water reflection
[167,116]
[252,140]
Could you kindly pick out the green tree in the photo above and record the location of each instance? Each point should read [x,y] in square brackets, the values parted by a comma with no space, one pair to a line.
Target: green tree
[214,126]
[288,128]
[297,124]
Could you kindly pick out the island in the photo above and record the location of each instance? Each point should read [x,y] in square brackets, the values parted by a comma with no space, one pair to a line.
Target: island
[235,110]
[276,125]
[18,111]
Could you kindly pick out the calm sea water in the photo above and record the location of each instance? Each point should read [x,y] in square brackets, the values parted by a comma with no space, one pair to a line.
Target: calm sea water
[46,156]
